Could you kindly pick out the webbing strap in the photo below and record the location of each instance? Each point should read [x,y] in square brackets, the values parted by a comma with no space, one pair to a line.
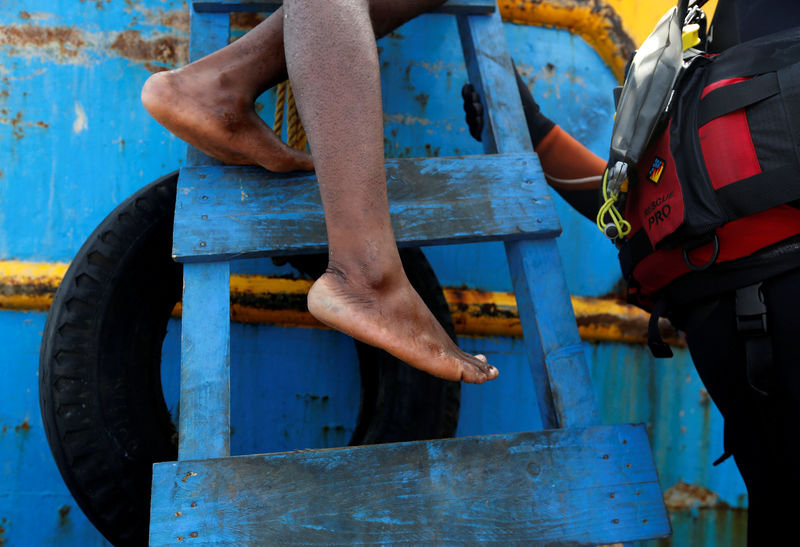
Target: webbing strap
[634,249]
[766,54]
[730,98]
[789,80]
[760,192]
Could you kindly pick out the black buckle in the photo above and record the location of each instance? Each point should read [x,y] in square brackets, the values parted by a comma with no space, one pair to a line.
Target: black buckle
[751,322]
[751,311]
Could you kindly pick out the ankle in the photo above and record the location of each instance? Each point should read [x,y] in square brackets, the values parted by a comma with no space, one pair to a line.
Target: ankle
[372,276]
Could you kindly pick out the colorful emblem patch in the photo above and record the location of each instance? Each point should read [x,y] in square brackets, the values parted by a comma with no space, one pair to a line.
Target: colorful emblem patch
[656,170]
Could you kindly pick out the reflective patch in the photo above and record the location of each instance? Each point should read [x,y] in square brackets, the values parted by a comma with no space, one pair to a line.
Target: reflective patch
[656,169]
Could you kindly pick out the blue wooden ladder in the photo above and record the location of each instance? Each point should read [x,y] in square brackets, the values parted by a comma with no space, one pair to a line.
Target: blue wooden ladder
[575,482]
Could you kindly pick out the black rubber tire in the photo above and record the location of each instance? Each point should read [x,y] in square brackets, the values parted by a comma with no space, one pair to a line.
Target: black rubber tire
[100,390]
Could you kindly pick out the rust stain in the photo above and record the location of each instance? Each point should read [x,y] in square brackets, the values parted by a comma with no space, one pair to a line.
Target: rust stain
[68,40]
[70,44]
[97,3]
[10,288]
[23,427]
[169,50]
[683,496]
[242,22]
[176,19]
[279,301]
[187,475]
[15,123]
[63,514]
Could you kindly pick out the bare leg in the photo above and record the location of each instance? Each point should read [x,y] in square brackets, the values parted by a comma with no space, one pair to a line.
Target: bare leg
[333,65]
[209,103]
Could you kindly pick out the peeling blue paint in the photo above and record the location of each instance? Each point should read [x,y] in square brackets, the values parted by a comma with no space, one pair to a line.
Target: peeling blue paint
[75,142]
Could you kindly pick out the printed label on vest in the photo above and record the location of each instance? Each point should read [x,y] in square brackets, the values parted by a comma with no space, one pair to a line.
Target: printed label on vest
[656,203]
[659,209]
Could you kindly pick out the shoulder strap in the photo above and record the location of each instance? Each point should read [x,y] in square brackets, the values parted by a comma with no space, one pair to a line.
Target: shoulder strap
[730,98]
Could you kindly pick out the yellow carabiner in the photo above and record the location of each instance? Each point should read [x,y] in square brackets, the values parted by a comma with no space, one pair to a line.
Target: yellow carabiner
[617,226]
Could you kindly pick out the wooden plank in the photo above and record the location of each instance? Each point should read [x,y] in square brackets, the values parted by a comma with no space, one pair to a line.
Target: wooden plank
[564,364]
[205,362]
[560,372]
[593,485]
[477,7]
[234,211]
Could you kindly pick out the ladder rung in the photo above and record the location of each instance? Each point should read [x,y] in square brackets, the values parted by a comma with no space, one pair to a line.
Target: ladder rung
[226,212]
[583,486]
[458,7]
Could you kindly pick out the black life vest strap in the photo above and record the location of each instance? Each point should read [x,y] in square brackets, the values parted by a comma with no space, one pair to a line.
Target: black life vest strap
[730,98]
[748,59]
[760,192]
[789,80]
[633,250]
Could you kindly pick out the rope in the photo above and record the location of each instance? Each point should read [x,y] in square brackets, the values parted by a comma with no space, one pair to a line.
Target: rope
[280,103]
[297,135]
[295,132]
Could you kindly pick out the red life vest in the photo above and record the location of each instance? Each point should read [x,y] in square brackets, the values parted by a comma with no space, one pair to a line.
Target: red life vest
[717,183]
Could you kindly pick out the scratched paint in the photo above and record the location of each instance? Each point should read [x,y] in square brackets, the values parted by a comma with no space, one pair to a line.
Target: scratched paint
[281,301]
[56,184]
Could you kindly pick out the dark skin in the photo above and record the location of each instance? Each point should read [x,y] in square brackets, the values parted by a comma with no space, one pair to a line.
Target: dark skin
[328,50]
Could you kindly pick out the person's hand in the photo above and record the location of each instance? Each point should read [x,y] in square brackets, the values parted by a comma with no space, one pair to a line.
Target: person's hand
[473,109]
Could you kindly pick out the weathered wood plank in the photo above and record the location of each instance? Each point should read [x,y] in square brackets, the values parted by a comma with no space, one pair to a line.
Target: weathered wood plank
[476,7]
[564,364]
[561,376]
[593,485]
[238,211]
[205,362]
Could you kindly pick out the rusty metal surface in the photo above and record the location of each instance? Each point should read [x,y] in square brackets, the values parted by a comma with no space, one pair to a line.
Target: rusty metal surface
[593,20]
[74,142]
[280,301]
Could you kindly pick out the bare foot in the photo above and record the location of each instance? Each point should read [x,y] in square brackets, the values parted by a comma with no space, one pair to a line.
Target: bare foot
[393,317]
[210,114]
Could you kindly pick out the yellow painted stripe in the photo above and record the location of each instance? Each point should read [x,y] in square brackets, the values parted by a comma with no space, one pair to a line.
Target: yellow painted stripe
[279,301]
[29,285]
[614,28]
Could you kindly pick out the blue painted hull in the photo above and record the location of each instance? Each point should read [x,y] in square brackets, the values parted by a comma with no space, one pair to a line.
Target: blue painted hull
[75,142]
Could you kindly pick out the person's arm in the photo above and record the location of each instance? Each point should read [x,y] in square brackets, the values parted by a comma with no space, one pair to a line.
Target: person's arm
[569,167]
